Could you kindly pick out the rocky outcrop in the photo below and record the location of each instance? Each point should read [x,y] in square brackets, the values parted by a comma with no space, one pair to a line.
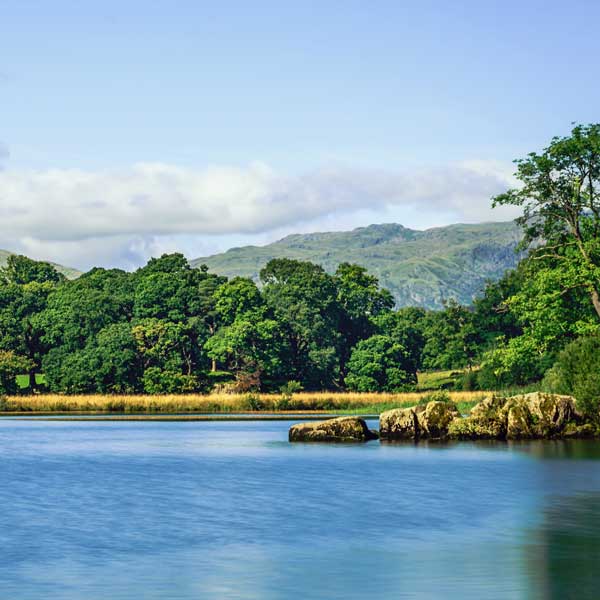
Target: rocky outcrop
[430,421]
[399,424]
[528,416]
[341,429]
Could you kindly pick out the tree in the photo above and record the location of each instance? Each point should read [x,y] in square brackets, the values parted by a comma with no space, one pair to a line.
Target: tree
[24,289]
[380,364]
[361,301]
[108,364]
[561,208]
[302,298]
[577,373]
[11,365]
[406,327]
[451,338]
[21,270]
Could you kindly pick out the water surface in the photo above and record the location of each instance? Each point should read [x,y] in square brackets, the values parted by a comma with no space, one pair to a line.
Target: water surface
[114,510]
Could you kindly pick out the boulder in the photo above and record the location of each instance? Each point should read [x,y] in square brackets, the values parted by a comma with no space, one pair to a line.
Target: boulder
[550,411]
[527,416]
[399,424]
[435,419]
[428,421]
[341,429]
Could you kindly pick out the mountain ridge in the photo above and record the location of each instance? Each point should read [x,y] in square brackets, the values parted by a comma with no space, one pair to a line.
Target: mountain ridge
[420,267]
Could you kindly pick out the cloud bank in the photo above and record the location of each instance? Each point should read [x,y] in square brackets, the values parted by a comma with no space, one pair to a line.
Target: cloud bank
[121,217]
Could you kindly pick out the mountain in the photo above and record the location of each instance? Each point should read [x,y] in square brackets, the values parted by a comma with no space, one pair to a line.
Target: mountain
[421,268]
[68,272]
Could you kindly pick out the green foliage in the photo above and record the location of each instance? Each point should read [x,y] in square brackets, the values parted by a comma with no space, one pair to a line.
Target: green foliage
[11,365]
[452,340]
[253,402]
[380,364]
[287,393]
[303,301]
[20,270]
[158,381]
[437,396]
[576,372]
[556,298]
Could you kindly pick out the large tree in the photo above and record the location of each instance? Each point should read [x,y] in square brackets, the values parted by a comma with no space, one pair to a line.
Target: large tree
[559,195]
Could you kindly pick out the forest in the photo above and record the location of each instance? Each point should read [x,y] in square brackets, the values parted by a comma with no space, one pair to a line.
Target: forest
[171,328]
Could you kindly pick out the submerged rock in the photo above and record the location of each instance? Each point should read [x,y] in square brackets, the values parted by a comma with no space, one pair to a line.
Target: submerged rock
[341,429]
[430,421]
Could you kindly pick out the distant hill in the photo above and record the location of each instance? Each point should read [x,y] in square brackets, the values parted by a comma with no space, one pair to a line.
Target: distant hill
[421,268]
[68,272]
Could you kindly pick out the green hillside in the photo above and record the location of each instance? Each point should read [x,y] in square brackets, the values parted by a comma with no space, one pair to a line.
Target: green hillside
[421,268]
[66,271]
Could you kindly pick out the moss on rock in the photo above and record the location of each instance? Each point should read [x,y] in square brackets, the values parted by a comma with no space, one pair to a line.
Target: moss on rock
[341,429]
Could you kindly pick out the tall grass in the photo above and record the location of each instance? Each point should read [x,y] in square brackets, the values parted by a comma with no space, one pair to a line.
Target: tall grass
[346,402]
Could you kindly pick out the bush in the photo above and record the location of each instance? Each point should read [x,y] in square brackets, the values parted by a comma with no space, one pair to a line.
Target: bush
[468,382]
[253,402]
[438,396]
[287,392]
[576,372]
[158,381]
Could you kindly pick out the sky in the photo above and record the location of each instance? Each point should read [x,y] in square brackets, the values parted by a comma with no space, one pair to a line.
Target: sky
[129,129]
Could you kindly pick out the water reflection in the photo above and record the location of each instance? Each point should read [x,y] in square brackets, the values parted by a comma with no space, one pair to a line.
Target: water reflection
[563,553]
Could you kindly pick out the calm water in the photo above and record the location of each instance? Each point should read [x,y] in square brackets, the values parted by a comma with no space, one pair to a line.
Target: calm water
[231,510]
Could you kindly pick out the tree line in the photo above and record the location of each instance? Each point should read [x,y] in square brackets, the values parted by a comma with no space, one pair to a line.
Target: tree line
[169,328]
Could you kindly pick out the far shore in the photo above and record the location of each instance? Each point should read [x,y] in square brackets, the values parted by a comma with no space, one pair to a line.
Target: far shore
[224,406]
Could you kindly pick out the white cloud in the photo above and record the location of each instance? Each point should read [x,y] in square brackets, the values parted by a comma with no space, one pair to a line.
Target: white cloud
[122,217]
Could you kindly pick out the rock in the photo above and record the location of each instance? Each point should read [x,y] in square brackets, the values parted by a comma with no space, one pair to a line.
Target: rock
[473,428]
[341,429]
[527,416]
[434,421]
[399,424]
[518,422]
[574,430]
[488,407]
[551,411]
[486,421]
[428,421]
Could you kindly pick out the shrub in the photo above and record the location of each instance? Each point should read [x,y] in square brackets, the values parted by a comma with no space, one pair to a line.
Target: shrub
[468,382]
[576,372]
[437,396]
[287,392]
[253,402]
[159,381]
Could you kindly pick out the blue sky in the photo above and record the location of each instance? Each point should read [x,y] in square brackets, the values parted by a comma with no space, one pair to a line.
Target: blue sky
[132,128]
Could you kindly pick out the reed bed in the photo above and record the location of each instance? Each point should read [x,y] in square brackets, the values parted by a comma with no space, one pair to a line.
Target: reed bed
[340,402]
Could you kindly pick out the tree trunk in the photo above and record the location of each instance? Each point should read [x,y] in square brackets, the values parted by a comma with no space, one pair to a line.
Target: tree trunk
[213,365]
[596,301]
[32,382]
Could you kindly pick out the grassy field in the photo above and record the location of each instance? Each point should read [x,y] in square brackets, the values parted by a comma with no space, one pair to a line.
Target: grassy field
[436,380]
[346,403]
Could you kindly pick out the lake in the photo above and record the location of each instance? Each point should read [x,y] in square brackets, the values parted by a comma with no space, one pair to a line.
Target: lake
[231,510]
